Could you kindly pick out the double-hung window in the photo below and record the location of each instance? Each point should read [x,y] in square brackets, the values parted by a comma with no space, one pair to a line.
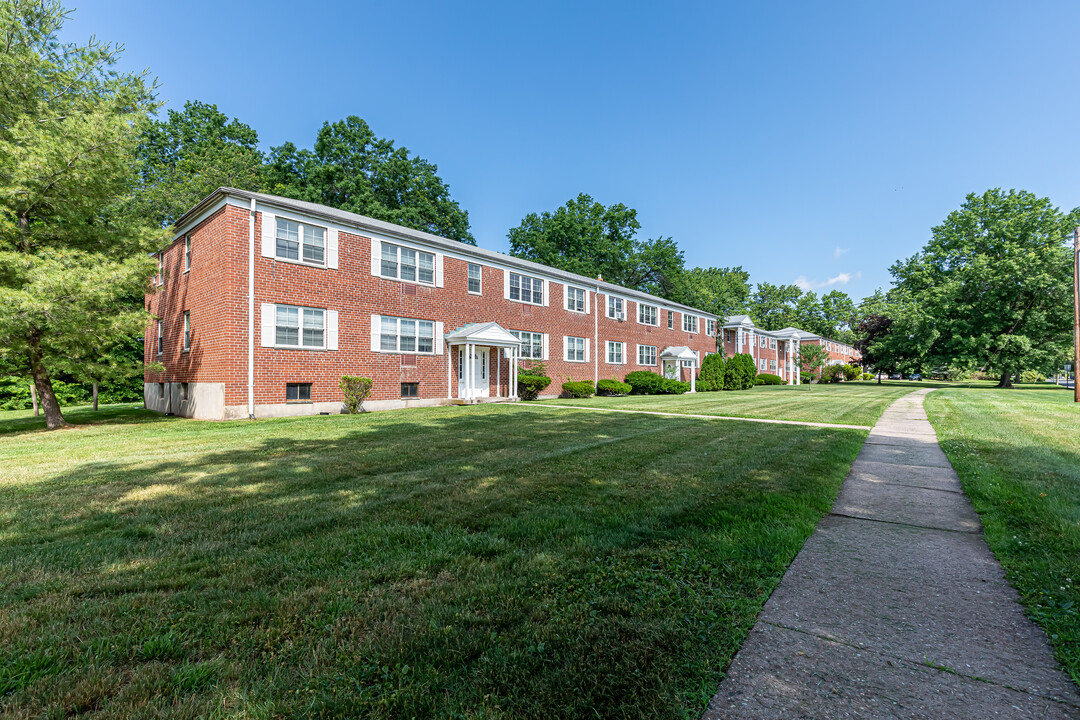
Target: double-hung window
[710,327]
[161,268]
[474,278]
[763,341]
[646,355]
[160,339]
[772,343]
[532,344]
[772,366]
[727,336]
[300,327]
[670,319]
[689,323]
[187,330]
[575,299]
[526,289]
[648,314]
[300,242]
[402,263]
[187,252]
[615,308]
[575,349]
[615,353]
[407,335]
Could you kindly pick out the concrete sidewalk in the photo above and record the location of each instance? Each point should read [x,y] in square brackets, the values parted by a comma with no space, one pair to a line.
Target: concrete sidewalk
[895,607]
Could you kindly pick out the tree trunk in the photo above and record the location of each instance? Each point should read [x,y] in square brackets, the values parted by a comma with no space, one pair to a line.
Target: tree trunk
[1006,380]
[95,395]
[54,419]
[33,398]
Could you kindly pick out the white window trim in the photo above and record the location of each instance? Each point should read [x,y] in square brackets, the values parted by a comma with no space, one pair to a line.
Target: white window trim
[656,353]
[435,339]
[467,279]
[186,340]
[607,306]
[543,343]
[585,299]
[300,328]
[434,266]
[300,261]
[160,339]
[544,289]
[697,323]
[622,351]
[187,252]
[641,306]
[566,348]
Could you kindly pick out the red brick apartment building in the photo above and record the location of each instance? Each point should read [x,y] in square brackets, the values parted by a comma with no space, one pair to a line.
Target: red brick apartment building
[264,302]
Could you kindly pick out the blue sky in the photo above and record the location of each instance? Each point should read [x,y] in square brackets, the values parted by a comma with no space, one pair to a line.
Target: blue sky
[807,142]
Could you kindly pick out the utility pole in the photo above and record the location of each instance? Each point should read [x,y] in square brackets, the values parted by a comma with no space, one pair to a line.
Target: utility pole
[1076,313]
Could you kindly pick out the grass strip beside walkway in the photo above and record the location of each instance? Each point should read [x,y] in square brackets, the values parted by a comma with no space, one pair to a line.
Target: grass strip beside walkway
[447,562]
[1017,453]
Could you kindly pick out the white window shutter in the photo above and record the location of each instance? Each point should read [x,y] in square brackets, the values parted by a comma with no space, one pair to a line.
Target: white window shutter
[269,324]
[376,325]
[269,234]
[331,330]
[565,348]
[332,248]
[376,257]
[506,284]
[547,291]
[544,347]
[587,302]
[439,270]
[586,349]
[439,340]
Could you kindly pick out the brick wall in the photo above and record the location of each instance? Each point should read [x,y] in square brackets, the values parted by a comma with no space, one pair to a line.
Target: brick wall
[215,293]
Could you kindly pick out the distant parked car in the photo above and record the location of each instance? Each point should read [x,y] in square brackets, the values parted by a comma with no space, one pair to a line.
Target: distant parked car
[915,376]
[896,376]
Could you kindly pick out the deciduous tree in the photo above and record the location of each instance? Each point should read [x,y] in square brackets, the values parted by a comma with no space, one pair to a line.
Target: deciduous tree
[352,169]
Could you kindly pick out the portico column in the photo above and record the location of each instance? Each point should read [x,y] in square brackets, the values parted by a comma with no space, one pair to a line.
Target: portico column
[498,372]
[796,367]
[514,352]
[693,378]
[470,368]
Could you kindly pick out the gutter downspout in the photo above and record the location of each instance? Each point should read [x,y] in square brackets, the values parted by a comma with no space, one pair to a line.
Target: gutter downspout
[596,337]
[251,314]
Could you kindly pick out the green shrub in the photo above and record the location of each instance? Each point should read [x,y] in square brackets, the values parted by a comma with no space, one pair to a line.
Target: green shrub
[769,379]
[644,382]
[356,390]
[612,387]
[673,387]
[530,386]
[1031,376]
[711,376]
[831,374]
[579,389]
[739,372]
[804,377]
[852,372]
[868,376]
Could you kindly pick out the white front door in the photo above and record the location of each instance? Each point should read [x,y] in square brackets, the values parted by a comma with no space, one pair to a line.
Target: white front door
[670,370]
[480,380]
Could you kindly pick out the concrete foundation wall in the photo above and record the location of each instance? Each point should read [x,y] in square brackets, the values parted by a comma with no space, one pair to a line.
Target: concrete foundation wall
[203,401]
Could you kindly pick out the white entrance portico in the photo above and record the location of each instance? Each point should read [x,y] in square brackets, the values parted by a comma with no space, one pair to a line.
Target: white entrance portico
[673,359]
[473,346]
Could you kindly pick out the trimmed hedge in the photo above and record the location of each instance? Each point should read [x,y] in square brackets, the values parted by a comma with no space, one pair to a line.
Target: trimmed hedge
[769,379]
[644,382]
[673,387]
[580,389]
[711,376]
[530,386]
[739,372]
[832,374]
[612,387]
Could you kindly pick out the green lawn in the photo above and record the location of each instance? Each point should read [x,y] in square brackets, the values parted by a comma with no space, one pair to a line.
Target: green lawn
[855,403]
[483,562]
[1018,455]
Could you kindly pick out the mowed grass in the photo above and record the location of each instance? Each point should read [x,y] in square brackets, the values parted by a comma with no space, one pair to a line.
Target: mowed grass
[482,562]
[1018,456]
[853,403]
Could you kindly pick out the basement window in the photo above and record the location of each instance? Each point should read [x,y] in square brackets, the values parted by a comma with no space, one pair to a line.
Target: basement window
[410,390]
[298,392]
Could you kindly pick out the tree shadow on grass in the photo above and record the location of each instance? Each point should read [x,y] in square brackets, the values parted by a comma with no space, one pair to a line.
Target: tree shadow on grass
[418,563]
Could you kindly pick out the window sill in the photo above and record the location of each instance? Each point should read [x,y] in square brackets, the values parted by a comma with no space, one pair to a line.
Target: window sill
[409,282]
[479,294]
[526,302]
[579,362]
[576,312]
[405,352]
[299,347]
[185,351]
[321,266]
[299,402]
